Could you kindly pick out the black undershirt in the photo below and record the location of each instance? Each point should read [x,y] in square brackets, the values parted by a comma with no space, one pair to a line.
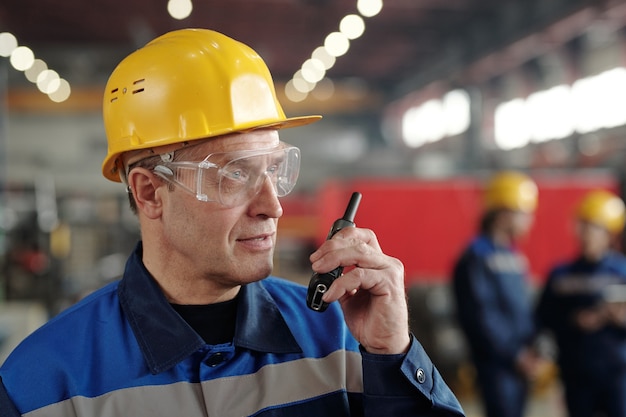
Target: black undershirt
[215,323]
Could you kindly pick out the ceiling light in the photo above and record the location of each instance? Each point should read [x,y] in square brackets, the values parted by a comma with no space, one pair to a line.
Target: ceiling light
[36,71]
[37,68]
[336,44]
[293,93]
[313,70]
[301,84]
[369,8]
[321,54]
[352,26]
[179,9]
[62,93]
[22,58]
[8,43]
[456,107]
[48,81]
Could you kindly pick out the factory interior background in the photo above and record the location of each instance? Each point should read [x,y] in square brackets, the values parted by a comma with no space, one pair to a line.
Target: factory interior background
[422,100]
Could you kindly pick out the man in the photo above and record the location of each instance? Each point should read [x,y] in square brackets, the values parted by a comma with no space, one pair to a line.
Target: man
[583,305]
[493,308]
[196,327]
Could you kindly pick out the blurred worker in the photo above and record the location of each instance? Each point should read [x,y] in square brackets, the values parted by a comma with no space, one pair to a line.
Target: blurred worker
[490,289]
[197,326]
[583,304]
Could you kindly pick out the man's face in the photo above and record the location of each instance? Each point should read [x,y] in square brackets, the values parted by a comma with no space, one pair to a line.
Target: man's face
[517,224]
[229,246]
[594,240]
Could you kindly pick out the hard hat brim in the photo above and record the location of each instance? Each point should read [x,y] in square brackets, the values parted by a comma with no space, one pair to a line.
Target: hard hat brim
[290,122]
[110,166]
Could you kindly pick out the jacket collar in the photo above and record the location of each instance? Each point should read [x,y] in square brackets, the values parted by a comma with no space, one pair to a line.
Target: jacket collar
[166,339]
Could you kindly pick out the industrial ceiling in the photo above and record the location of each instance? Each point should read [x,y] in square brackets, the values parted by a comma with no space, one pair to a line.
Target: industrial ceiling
[408,45]
[405,41]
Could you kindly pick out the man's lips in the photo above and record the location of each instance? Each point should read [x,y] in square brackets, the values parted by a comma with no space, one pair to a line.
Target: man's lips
[259,237]
[261,242]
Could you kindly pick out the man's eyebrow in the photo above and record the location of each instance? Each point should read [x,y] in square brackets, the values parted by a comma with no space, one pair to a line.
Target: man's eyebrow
[273,157]
[278,157]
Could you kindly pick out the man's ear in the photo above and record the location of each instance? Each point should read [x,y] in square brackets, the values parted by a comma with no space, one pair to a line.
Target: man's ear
[144,185]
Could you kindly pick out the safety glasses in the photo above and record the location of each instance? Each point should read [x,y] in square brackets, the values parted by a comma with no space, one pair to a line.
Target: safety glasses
[234,178]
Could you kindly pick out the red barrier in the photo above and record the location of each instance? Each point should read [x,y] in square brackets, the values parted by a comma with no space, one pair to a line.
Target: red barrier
[427,223]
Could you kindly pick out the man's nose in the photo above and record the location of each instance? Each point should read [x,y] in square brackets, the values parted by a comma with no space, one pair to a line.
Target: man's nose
[266,199]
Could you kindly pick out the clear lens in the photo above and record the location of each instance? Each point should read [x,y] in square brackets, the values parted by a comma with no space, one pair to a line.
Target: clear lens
[242,178]
[236,177]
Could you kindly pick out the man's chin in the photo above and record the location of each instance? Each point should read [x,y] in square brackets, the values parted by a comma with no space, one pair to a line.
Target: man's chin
[258,272]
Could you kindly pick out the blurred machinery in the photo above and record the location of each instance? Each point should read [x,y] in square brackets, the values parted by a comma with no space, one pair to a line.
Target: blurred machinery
[52,262]
[18,320]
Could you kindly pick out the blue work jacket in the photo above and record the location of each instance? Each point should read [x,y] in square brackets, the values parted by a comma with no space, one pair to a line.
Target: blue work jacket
[492,300]
[124,351]
[570,288]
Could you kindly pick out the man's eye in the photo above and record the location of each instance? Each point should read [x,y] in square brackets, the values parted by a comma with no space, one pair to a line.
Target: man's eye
[235,174]
[238,175]
[273,170]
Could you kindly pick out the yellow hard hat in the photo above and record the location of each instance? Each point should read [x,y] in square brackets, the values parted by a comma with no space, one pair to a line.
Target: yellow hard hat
[511,190]
[186,85]
[604,209]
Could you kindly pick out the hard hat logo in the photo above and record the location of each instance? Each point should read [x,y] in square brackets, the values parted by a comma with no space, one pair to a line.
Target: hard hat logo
[186,85]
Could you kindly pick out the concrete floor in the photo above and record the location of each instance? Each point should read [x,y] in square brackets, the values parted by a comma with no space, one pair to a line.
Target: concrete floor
[547,403]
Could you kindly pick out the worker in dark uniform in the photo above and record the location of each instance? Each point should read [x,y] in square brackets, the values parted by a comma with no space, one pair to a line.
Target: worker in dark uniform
[490,289]
[583,305]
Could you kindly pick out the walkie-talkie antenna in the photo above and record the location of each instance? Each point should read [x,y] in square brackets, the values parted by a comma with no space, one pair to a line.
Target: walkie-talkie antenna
[353,205]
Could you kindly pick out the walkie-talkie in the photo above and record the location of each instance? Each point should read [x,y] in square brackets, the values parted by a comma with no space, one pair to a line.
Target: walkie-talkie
[320,283]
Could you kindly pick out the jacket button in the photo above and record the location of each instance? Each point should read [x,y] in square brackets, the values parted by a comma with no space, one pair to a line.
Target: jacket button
[420,375]
[215,359]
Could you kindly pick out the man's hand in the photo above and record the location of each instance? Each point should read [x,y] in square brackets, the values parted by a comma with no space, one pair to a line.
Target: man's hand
[371,290]
[616,313]
[591,319]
